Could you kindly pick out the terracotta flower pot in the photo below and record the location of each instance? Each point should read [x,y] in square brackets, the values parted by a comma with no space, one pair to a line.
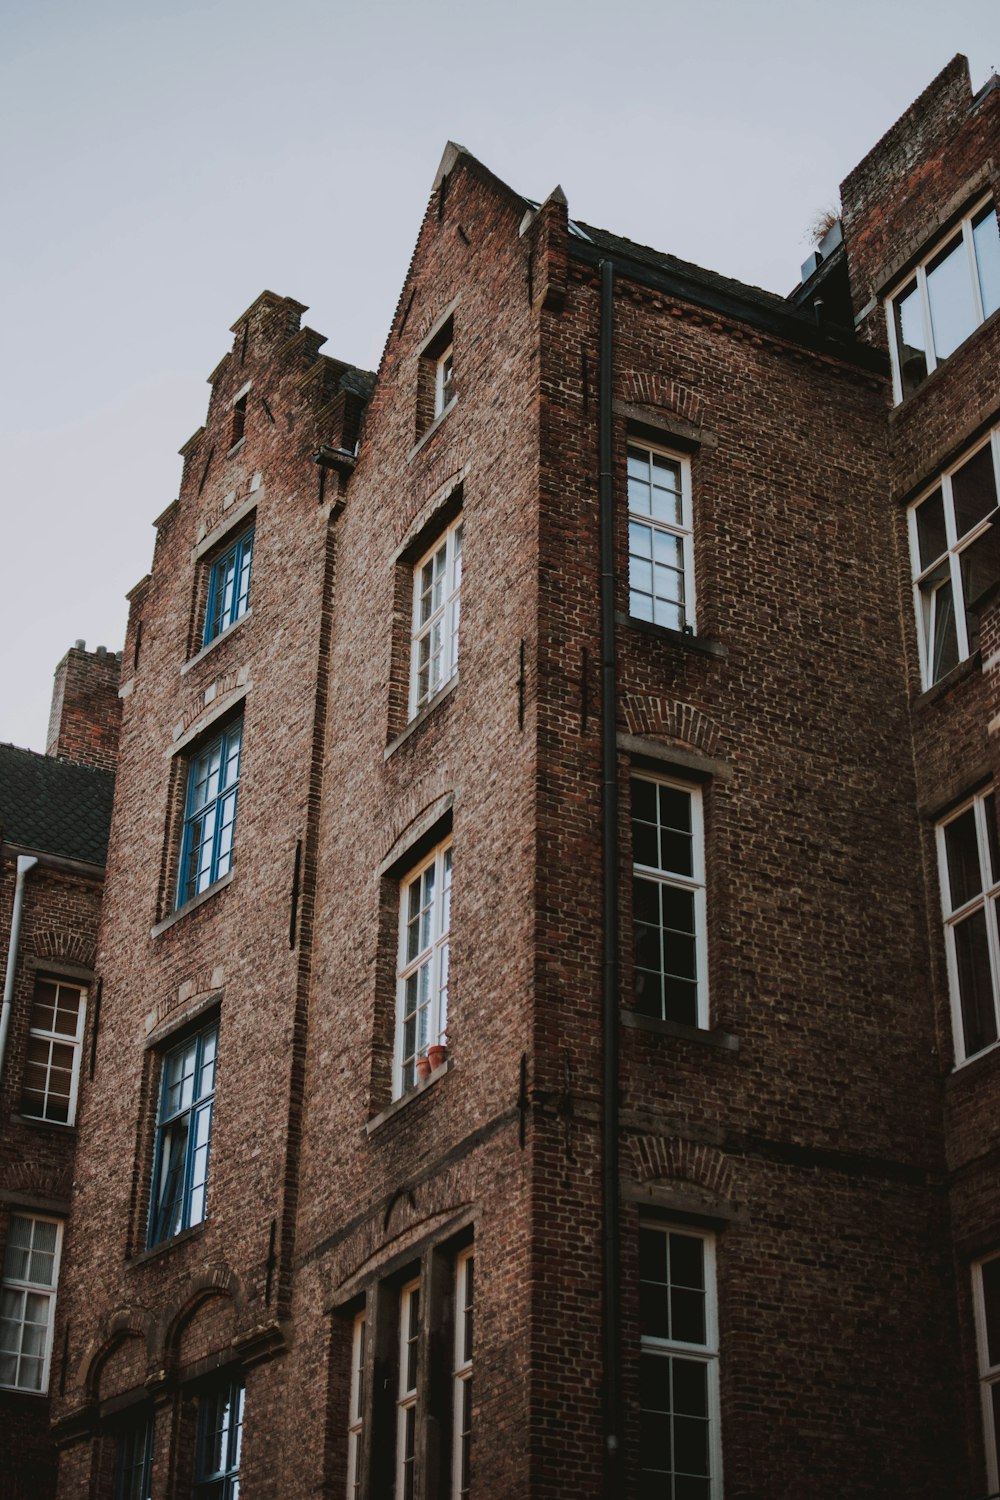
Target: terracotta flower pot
[423,1068]
[437,1056]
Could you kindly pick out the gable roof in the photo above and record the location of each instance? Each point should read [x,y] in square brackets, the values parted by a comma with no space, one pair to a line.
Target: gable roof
[52,806]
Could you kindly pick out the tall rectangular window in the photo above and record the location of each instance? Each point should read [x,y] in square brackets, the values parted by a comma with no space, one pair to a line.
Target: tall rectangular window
[210,813]
[444,383]
[679,1443]
[134,1466]
[183,1136]
[356,1406]
[955,556]
[969,863]
[220,1436]
[422,972]
[406,1397]
[229,587]
[52,1064]
[437,585]
[28,1301]
[668,902]
[945,299]
[986,1294]
[462,1377]
[660,538]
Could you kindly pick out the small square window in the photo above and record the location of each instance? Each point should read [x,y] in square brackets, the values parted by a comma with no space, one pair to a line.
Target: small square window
[229,587]
[183,1136]
[437,585]
[28,1301]
[213,775]
[52,1065]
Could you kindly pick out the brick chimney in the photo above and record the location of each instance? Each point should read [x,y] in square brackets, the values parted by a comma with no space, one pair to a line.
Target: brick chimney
[86,710]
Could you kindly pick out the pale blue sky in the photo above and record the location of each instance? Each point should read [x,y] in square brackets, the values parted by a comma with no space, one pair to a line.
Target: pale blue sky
[162,164]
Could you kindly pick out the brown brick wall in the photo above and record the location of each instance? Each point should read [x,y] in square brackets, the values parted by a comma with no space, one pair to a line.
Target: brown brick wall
[86,712]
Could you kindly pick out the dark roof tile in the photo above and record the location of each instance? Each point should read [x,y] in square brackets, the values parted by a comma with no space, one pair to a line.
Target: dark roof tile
[54,806]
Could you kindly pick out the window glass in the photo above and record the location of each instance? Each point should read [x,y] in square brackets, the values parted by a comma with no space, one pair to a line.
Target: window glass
[660,555]
[183,1136]
[932,537]
[52,1061]
[911,340]
[987,244]
[967,845]
[974,490]
[423,965]
[210,816]
[27,1301]
[949,293]
[668,902]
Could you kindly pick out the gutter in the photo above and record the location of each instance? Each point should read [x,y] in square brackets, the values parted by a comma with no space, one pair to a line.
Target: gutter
[25,862]
[609,803]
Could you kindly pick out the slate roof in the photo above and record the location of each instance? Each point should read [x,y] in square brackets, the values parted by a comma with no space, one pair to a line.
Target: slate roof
[54,806]
[659,260]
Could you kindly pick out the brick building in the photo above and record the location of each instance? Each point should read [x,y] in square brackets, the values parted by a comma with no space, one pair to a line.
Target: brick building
[55,812]
[582,967]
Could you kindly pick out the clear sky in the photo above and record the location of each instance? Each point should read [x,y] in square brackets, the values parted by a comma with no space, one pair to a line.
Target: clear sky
[164,163]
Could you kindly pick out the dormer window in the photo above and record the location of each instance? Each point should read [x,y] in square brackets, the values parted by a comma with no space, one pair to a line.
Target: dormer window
[945,299]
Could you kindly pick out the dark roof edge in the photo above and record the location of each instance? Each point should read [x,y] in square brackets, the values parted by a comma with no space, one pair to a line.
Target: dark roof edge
[788,326]
[54,861]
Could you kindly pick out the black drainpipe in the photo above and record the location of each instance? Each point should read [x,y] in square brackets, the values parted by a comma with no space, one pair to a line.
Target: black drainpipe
[609,799]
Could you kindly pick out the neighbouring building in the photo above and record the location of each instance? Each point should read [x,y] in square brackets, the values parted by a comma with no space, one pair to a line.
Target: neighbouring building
[549,958]
[55,812]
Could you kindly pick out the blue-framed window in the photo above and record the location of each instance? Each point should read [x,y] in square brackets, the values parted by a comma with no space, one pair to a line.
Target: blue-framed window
[220,1433]
[183,1136]
[210,813]
[134,1466]
[229,587]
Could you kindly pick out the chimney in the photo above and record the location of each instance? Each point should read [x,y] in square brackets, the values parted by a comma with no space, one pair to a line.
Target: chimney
[86,709]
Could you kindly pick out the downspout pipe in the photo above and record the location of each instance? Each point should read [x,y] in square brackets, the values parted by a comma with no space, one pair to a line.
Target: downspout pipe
[25,862]
[613,1467]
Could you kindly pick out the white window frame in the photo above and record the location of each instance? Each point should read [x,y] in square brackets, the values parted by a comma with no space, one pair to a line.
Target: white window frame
[44,1290]
[985,900]
[706,1353]
[989,1375]
[58,1039]
[462,1368]
[356,1407]
[949,562]
[918,275]
[695,883]
[406,1392]
[444,380]
[430,956]
[437,595]
[683,531]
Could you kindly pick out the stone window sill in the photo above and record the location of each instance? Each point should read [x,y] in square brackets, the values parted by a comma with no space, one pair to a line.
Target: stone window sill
[722,1040]
[164,1246]
[950,680]
[192,905]
[216,640]
[419,719]
[701,645]
[393,1109]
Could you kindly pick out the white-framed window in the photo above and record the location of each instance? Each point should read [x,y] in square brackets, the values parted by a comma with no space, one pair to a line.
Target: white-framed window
[986,1299]
[52,1063]
[955,556]
[668,901]
[28,1301]
[437,586]
[680,1449]
[969,863]
[660,538]
[462,1376]
[356,1405]
[422,970]
[444,382]
[406,1391]
[955,287]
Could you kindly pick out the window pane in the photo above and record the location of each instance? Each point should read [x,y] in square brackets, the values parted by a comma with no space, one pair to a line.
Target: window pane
[974,490]
[932,539]
[962,851]
[911,341]
[975,985]
[991,1307]
[987,245]
[944,638]
[949,292]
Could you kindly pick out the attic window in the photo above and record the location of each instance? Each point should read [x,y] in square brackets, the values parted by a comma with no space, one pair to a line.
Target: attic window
[239,420]
[436,377]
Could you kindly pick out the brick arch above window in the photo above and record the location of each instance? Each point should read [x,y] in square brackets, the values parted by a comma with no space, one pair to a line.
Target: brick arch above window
[123,1347]
[643,388]
[656,1158]
[646,714]
[69,947]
